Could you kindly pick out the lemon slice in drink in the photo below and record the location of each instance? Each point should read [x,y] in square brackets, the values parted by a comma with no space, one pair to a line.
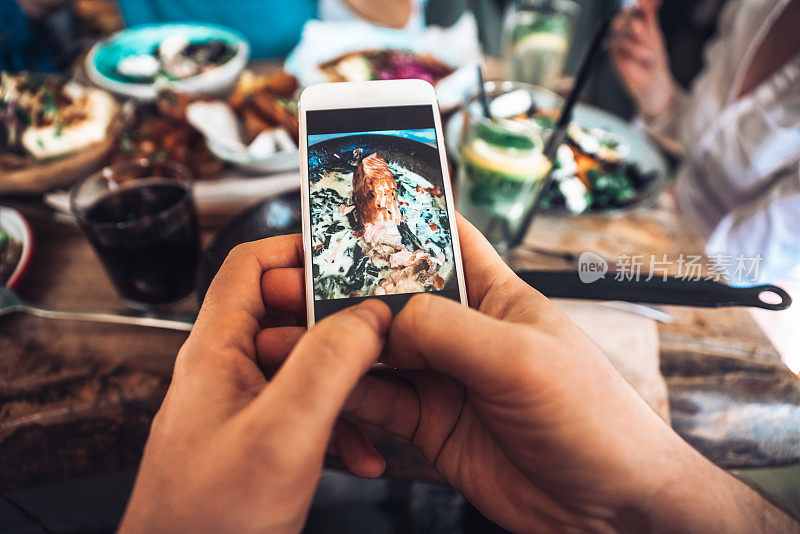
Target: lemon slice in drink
[511,162]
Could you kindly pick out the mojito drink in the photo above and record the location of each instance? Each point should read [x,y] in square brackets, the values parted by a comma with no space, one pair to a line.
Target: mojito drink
[501,174]
[537,40]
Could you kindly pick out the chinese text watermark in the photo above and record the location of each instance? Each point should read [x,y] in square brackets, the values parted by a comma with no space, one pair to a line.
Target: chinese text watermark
[735,268]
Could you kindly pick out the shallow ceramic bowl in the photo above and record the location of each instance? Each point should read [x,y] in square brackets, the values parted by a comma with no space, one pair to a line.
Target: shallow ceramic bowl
[102,60]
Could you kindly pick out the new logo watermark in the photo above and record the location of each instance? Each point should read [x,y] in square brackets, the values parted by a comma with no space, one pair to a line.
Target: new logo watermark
[591,267]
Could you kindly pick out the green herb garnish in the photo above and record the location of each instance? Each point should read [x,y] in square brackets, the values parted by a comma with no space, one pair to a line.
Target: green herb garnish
[126,144]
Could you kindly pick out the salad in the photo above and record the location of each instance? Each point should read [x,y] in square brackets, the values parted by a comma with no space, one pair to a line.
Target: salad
[388,64]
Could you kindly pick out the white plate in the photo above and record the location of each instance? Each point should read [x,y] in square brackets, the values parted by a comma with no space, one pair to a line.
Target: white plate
[457,46]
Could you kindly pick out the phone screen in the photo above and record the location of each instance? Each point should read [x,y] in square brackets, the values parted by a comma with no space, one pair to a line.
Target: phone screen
[379,215]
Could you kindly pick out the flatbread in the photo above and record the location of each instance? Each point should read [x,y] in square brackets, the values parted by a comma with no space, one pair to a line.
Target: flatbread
[40,177]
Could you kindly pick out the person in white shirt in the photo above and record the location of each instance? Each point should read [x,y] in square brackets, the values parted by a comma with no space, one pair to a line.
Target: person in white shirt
[737,128]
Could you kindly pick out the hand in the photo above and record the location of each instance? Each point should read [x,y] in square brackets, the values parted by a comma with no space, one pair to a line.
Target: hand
[640,57]
[230,451]
[516,408]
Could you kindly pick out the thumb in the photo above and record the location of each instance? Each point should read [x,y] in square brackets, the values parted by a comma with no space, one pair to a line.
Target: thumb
[318,375]
[482,353]
[650,9]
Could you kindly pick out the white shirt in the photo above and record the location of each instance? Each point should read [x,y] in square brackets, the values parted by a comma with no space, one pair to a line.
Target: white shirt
[739,181]
[339,11]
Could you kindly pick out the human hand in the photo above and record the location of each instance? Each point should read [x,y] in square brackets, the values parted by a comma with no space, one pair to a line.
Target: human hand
[640,56]
[230,451]
[516,408]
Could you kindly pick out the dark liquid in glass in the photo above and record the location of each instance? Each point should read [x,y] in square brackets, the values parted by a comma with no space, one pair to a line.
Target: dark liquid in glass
[147,237]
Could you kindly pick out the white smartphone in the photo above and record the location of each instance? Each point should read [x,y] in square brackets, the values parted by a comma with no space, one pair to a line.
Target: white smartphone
[378,214]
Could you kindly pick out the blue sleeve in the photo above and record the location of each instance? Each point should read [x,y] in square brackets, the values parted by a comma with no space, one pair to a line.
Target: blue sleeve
[272,29]
[20,48]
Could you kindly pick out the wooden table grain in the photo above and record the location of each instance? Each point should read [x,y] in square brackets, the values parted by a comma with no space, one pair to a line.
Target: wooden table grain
[77,398]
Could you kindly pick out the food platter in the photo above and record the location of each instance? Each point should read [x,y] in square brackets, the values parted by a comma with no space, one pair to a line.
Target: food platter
[43,177]
[379,219]
[335,51]
[449,78]
[53,131]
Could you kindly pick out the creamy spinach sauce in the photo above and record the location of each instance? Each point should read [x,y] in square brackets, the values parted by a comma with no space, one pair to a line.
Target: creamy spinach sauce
[340,267]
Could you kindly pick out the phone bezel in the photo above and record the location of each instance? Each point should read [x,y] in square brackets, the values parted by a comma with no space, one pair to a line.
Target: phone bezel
[351,95]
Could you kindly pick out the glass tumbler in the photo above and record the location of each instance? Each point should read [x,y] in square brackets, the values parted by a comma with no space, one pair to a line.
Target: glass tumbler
[537,35]
[501,166]
[141,221]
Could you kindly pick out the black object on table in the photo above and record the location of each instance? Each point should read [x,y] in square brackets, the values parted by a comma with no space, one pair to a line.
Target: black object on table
[281,215]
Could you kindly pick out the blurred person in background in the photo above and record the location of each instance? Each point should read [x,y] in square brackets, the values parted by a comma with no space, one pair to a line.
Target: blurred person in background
[737,128]
[273,27]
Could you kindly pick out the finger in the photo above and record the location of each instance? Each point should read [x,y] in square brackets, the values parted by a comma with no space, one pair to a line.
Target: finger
[331,449]
[356,451]
[649,9]
[318,375]
[273,345]
[484,269]
[627,49]
[386,402]
[474,349]
[635,31]
[639,31]
[623,19]
[482,265]
[418,407]
[274,317]
[640,22]
[632,72]
[233,306]
[620,22]
[284,288]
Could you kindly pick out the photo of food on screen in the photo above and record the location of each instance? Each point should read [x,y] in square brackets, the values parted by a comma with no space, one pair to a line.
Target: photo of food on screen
[379,223]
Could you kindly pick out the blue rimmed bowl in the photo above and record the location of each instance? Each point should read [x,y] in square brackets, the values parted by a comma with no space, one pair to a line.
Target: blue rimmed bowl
[103,58]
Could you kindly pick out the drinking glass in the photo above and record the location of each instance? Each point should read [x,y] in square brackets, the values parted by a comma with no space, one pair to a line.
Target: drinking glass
[537,36]
[501,162]
[141,220]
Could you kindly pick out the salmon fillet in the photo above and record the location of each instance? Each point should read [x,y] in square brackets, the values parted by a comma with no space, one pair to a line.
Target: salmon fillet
[377,208]
[375,199]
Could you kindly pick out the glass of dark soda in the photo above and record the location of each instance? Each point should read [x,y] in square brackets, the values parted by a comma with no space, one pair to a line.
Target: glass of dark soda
[140,218]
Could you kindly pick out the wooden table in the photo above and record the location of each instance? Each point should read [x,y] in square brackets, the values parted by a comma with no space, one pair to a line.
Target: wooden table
[77,398]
